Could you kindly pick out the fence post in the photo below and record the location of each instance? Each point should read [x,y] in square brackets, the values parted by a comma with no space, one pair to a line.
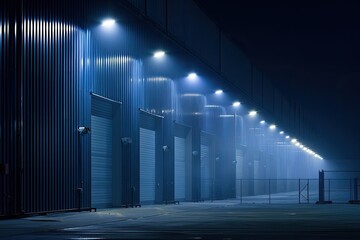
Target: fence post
[321,186]
[269,191]
[356,189]
[329,191]
[351,190]
[241,189]
[308,190]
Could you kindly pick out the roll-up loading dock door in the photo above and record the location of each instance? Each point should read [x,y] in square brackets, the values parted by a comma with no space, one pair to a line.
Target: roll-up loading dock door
[147,165]
[151,155]
[206,166]
[239,172]
[182,162]
[103,134]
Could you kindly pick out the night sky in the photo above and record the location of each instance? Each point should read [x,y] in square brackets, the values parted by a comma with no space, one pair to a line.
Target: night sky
[311,50]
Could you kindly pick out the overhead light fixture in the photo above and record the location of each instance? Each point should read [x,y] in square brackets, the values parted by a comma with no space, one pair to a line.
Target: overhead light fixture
[192,76]
[159,54]
[262,122]
[236,104]
[281,132]
[272,127]
[219,92]
[294,140]
[108,22]
[252,113]
[287,137]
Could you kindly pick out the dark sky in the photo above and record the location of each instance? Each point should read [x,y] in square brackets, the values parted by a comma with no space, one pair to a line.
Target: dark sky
[311,50]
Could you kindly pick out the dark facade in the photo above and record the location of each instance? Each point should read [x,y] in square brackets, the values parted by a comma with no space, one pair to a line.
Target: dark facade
[62,71]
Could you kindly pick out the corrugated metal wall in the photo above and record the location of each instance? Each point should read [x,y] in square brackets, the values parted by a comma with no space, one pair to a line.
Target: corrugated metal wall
[54,104]
[257,86]
[10,124]
[268,95]
[198,34]
[54,58]
[156,10]
[188,24]
[235,66]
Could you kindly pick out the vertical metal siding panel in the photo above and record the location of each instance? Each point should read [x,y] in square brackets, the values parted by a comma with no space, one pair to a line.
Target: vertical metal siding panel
[285,113]
[277,104]
[268,96]
[257,91]
[138,4]
[50,77]
[2,100]
[156,11]
[235,66]
[10,99]
[119,77]
[195,30]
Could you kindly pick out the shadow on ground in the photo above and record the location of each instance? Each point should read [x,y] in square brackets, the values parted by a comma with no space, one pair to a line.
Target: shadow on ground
[217,220]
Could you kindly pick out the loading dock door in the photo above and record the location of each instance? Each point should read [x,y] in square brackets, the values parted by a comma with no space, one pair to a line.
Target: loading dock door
[205,171]
[180,180]
[147,165]
[101,154]
[239,169]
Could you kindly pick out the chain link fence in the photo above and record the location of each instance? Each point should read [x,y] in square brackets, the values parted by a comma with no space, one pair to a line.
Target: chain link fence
[299,191]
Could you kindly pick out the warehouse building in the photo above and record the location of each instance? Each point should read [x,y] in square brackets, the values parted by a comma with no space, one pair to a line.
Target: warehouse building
[122,103]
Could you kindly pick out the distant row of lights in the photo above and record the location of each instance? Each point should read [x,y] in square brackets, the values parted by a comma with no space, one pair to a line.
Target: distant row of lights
[253,113]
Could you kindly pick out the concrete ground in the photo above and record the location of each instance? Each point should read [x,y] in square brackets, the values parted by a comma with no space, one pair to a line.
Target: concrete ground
[217,220]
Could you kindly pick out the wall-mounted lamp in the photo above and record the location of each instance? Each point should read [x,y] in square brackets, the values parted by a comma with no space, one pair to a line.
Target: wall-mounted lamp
[108,22]
[165,148]
[126,140]
[159,54]
[236,104]
[252,113]
[219,92]
[192,76]
[83,130]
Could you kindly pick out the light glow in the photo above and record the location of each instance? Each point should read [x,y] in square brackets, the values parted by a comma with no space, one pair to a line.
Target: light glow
[108,22]
[236,104]
[262,122]
[252,113]
[287,137]
[159,54]
[294,140]
[192,76]
[282,132]
[272,127]
[219,92]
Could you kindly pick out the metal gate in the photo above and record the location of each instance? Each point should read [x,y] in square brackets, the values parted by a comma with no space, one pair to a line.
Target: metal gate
[147,165]
[101,153]
[180,180]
